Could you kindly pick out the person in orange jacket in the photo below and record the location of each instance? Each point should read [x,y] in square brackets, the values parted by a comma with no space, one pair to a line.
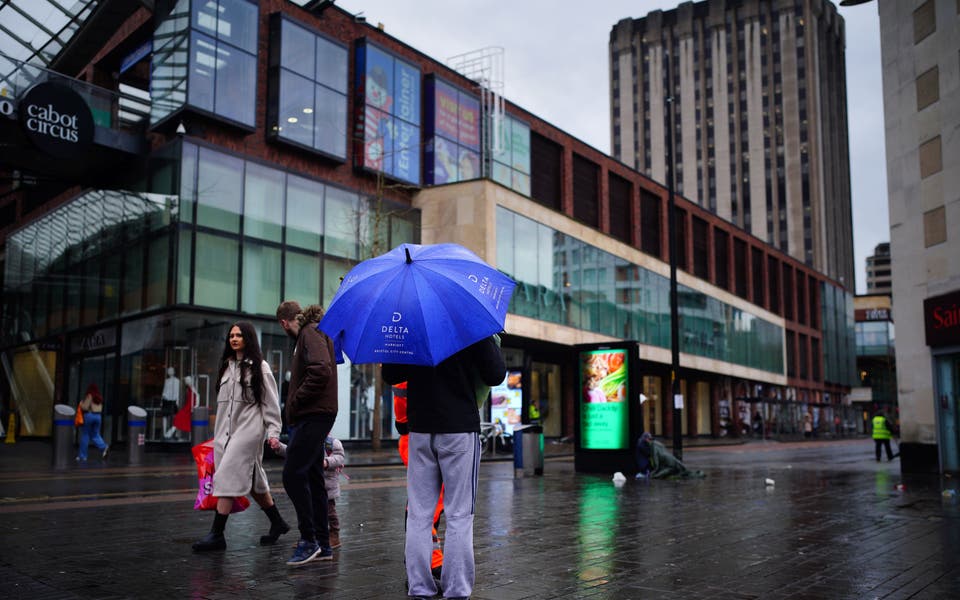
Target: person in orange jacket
[403,445]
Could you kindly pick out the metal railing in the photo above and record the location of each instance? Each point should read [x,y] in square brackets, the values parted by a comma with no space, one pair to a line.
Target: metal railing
[111,109]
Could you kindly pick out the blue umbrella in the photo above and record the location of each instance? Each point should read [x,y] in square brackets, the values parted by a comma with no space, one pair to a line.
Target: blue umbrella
[417,304]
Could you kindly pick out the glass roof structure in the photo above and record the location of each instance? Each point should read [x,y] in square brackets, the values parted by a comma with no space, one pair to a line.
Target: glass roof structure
[36,31]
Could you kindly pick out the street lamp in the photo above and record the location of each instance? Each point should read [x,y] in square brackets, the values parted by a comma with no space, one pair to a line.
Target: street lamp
[672,240]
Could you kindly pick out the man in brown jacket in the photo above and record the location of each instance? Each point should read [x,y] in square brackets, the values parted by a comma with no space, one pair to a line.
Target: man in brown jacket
[311,410]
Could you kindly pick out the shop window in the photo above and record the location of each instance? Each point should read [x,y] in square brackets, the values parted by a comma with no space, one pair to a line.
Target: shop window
[334,270]
[302,277]
[341,216]
[109,286]
[158,272]
[219,191]
[217,71]
[217,272]
[91,292]
[307,105]
[184,252]
[304,214]
[511,165]
[262,203]
[505,246]
[388,99]
[133,279]
[453,133]
[188,184]
[261,279]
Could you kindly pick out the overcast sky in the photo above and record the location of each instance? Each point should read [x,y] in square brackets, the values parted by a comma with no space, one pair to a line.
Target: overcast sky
[556,67]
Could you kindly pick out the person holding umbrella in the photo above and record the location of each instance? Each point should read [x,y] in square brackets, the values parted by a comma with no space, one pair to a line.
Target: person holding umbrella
[429,314]
[444,449]
[311,411]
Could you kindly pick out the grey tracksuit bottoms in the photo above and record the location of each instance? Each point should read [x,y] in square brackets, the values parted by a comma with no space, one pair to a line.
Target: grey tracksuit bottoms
[451,460]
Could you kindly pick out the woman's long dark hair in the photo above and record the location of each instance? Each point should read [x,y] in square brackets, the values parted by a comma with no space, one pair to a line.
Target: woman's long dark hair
[252,359]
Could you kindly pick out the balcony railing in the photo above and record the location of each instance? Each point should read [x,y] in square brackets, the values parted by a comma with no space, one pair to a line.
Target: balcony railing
[123,110]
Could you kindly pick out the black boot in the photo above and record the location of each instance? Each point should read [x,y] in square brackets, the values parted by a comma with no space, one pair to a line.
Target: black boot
[213,540]
[278,526]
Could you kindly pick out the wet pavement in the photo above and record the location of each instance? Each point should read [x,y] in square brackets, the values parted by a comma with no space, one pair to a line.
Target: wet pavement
[832,525]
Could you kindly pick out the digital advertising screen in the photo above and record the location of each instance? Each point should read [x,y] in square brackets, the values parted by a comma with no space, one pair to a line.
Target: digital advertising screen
[453,133]
[388,113]
[506,401]
[604,390]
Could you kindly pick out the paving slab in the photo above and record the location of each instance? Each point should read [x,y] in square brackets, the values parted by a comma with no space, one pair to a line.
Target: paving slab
[833,525]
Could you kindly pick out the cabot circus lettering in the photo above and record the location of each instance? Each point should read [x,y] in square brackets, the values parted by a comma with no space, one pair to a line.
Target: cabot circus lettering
[47,121]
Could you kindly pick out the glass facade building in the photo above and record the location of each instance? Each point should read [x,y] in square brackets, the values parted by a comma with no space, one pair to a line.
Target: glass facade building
[280,145]
[161,275]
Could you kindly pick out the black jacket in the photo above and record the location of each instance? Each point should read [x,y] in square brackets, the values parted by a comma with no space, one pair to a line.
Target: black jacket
[443,399]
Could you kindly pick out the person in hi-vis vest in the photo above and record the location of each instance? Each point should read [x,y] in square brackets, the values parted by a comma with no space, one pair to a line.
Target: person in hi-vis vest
[403,445]
[882,432]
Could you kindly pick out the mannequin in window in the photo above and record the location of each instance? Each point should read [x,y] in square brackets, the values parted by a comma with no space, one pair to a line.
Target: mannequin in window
[181,420]
[169,400]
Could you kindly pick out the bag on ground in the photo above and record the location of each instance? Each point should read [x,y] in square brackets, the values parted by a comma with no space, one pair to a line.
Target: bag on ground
[203,454]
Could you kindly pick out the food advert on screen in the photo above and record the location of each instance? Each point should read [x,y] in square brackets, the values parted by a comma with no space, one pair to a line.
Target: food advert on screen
[604,412]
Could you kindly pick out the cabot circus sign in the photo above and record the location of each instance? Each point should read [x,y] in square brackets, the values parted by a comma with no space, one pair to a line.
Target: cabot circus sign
[56,119]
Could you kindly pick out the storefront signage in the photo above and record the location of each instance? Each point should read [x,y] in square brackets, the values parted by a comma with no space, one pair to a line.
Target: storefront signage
[56,119]
[6,107]
[941,315]
[95,340]
[872,314]
[604,410]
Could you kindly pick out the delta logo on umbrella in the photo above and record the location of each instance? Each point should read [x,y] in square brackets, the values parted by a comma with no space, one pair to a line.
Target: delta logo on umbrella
[417,304]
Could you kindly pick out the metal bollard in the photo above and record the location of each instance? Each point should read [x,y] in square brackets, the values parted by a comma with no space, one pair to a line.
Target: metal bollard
[136,434]
[200,425]
[527,450]
[63,416]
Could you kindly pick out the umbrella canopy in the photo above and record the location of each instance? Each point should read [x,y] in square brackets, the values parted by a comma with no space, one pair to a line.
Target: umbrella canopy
[417,304]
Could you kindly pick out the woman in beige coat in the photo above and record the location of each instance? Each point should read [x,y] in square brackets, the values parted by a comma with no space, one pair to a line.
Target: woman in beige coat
[248,411]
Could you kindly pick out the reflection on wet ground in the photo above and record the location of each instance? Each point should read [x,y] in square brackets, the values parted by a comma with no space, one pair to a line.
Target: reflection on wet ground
[832,525]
